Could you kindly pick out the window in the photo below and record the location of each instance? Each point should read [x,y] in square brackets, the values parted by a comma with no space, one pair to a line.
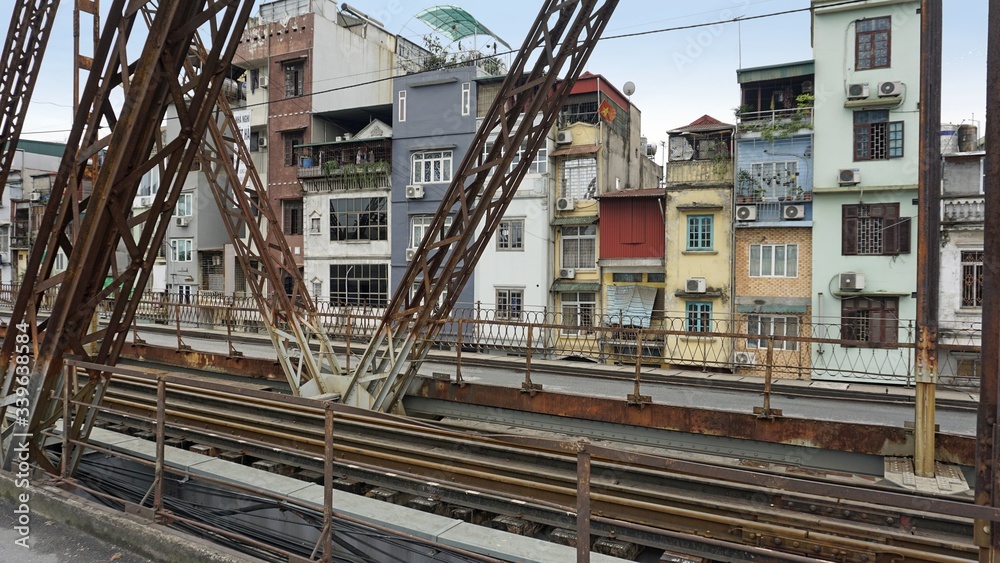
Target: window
[315,225]
[401,107]
[294,75]
[254,80]
[578,312]
[180,250]
[420,224]
[510,235]
[184,294]
[777,179]
[875,137]
[291,210]
[871,321]
[540,165]
[441,299]
[626,278]
[656,278]
[699,316]
[872,41]
[772,325]
[431,167]
[466,98]
[774,260]
[288,283]
[359,218]
[359,284]
[60,261]
[317,289]
[699,234]
[579,247]
[184,205]
[579,178]
[972,278]
[510,303]
[291,140]
[874,229]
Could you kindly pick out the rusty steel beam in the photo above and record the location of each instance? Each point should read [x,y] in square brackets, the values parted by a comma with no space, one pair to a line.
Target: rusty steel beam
[987,452]
[27,37]
[822,434]
[563,35]
[929,236]
[91,231]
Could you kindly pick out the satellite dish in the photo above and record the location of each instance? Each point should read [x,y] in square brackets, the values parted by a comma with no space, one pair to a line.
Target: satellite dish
[629,88]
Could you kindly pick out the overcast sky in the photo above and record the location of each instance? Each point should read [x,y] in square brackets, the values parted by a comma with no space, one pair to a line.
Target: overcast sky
[679,75]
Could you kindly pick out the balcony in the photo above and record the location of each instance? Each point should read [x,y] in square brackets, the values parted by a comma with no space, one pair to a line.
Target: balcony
[350,177]
[964,211]
[700,172]
[20,242]
[772,124]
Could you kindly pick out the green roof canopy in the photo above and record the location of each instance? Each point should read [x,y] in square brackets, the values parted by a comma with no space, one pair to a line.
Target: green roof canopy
[455,23]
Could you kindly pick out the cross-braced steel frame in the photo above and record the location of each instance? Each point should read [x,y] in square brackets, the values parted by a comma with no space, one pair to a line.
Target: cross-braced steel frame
[92,230]
[564,34]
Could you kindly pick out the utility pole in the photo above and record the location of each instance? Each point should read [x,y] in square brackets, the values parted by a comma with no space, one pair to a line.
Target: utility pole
[929,234]
[987,490]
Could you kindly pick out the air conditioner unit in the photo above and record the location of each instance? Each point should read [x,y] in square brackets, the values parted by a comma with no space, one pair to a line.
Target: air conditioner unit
[849,176]
[182,221]
[887,89]
[793,211]
[857,91]
[410,253]
[415,191]
[564,204]
[567,273]
[261,143]
[36,196]
[262,82]
[741,358]
[564,137]
[695,285]
[746,212]
[852,281]
[145,201]
[216,260]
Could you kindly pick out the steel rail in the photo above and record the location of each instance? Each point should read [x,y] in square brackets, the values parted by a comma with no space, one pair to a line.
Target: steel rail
[648,506]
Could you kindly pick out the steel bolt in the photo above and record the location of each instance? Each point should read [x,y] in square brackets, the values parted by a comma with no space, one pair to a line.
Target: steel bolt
[816,549]
[812,508]
[890,520]
[847,514]
[777,541]
[864,558]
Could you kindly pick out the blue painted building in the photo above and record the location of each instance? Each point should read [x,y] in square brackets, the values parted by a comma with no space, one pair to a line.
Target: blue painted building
[434,123]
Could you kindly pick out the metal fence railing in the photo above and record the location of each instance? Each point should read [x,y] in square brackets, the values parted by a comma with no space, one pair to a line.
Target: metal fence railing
[808,347]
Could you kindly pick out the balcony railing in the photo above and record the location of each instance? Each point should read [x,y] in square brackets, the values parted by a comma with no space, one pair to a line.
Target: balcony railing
[694,172]
[350,177]
[968,210]
[755,120]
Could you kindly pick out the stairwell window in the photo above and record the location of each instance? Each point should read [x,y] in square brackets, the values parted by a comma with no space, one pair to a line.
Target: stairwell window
[875,137]
[291,140]
[772,325]
[774,260]
[579,247]
[466,98]
[294,79]
[401,107]
[873,43]
[432,167]
[972,278]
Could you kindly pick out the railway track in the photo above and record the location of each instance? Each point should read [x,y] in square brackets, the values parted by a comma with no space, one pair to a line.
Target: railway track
[670,510]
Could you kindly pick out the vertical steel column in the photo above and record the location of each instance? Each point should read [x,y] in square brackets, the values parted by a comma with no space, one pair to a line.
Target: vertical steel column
[929,226]
[987,454]
[583,503]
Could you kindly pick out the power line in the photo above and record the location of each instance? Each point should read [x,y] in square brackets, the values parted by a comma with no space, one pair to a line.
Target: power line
[470,60]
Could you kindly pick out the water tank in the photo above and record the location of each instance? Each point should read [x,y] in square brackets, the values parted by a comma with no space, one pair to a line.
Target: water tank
[651,149]
[949,138]
[968,135]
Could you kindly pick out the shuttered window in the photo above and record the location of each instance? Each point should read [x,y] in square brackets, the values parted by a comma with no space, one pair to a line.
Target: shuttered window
[870,322]
[874,229]
[873,42]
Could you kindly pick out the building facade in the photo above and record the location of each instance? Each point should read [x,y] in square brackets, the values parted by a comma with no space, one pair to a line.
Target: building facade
[23,205]
[865,183]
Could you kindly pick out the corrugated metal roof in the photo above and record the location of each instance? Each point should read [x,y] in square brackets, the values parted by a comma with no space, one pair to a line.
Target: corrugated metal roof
[575,286]
[633,302]
[578,149]
[652,192]
[775,72]
[575,220]
[455,23]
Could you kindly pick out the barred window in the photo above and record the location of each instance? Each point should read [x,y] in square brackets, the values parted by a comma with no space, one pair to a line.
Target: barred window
[291,210]
[578,311]
[874,229]
[875,137]
[972,278]
[870,321]
[778,179]
[294,79]
[579,178]
[699,316]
